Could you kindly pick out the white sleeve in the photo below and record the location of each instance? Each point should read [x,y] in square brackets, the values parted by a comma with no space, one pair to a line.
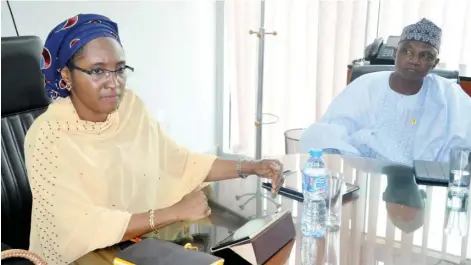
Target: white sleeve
[345,115]
[459,121]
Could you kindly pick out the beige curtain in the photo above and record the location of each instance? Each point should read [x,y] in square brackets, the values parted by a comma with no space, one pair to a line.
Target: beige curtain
[306,63]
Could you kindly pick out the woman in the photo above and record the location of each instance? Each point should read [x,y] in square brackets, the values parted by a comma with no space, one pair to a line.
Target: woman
[100,168]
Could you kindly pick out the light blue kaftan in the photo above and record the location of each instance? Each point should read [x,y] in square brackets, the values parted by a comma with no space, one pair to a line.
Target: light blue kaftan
[369,119]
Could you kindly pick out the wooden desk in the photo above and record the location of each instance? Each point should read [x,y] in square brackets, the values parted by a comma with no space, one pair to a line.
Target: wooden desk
[374,228]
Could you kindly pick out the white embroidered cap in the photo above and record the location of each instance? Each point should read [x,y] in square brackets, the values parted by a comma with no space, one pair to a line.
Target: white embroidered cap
[425,31]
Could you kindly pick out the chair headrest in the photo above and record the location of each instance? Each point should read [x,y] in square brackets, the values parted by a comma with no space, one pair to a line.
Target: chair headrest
[22,80]
[359,70]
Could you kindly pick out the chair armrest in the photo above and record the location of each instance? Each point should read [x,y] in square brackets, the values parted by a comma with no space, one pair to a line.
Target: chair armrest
[19,257]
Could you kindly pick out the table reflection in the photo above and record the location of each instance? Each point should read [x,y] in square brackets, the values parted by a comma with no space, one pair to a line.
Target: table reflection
[392,221]
[321,251]
[405,201]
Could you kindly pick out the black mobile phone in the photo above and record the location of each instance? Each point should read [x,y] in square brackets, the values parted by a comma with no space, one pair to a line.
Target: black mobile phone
[294,194]
[431,173]
[286,192]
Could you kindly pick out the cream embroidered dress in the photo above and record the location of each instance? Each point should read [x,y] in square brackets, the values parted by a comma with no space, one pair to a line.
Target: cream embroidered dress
[88,178]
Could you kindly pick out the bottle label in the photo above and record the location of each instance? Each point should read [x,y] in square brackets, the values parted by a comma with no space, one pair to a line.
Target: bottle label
[316,184]
[315,180]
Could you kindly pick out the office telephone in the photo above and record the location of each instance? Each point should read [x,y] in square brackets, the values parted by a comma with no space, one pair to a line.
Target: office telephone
[379,52]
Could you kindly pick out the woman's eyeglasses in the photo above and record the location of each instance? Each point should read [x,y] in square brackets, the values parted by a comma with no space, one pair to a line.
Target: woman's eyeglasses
[101,74]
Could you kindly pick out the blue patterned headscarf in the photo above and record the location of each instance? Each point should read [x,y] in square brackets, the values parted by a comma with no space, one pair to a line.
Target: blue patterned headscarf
[424,31]
[64,41]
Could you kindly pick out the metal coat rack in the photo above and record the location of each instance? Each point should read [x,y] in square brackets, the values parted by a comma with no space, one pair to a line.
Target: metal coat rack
[259,111]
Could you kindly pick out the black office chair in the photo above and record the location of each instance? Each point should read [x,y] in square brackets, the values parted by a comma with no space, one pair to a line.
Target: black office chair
[23,100]
[359,70]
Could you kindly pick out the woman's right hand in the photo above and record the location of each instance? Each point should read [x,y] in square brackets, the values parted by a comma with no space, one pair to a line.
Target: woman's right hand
[192,207]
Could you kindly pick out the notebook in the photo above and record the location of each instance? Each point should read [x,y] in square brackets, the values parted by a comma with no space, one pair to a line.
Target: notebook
[152,251]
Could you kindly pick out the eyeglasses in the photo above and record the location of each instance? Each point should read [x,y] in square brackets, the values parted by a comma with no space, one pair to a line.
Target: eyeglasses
[101,74]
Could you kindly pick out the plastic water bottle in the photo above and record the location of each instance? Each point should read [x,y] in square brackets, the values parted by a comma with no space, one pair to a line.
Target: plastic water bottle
[314,190]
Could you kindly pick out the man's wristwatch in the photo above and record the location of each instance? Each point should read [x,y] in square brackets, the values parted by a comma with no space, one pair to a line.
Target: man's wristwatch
[239,165]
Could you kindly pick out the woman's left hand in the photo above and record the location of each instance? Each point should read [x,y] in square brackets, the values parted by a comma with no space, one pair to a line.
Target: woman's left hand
[270,169]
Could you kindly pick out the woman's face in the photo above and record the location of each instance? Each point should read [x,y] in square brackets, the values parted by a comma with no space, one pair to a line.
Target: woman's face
[95,91]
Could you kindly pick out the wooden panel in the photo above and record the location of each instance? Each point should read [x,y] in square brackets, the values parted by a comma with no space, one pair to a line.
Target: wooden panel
[466,85]
[349,73]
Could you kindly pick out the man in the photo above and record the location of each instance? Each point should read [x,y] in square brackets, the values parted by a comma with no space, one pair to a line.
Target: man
[400,116]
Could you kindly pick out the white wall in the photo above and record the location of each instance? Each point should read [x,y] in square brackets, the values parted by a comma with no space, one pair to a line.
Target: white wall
[171,44]
[7,23]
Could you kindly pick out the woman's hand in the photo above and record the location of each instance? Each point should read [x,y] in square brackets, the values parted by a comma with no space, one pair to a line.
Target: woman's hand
[270,169]
[192,207]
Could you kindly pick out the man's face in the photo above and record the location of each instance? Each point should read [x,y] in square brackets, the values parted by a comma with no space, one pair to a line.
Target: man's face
[415,59]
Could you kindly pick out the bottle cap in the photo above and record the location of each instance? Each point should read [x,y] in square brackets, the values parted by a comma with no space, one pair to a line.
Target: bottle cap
[315,152]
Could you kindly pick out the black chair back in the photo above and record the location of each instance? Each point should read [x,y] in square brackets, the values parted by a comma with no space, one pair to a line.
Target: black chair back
[23,100]
[359,70]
